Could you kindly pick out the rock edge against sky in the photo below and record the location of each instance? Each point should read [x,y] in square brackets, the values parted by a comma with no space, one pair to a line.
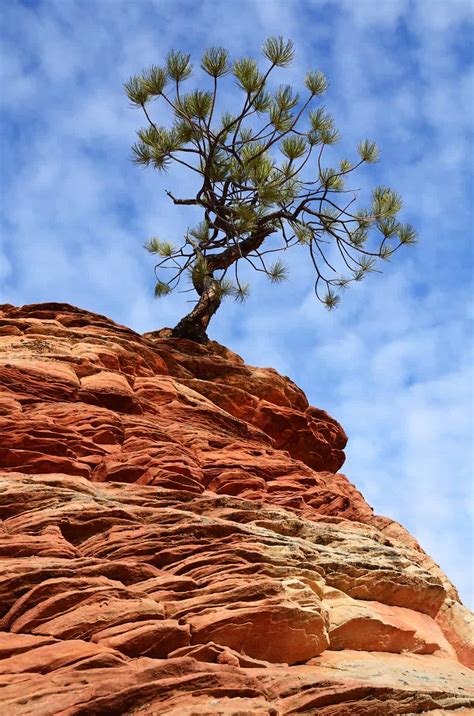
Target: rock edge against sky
[177,539]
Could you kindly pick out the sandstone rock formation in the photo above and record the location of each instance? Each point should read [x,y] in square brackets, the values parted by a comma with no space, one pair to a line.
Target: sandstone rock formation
[176,539]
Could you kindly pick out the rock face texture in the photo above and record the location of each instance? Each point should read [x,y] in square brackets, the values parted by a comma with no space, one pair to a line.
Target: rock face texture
[176,539]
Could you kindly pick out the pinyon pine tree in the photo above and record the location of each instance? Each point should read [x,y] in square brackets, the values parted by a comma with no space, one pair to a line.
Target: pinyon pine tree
[260,182]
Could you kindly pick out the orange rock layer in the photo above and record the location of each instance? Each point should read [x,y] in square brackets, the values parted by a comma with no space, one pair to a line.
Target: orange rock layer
[176,539]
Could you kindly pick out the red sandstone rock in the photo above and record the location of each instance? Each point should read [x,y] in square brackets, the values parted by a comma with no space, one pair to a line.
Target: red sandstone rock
[457,623]
[149,638]
[176,539]
[372,626]
[42,656]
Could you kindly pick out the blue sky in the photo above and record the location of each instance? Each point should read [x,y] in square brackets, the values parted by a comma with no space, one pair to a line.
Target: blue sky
[392,363]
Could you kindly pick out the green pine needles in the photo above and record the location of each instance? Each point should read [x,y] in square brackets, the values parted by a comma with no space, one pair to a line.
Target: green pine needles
[261,182]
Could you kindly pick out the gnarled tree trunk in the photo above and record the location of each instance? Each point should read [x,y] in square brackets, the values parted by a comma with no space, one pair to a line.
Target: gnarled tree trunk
[194,325]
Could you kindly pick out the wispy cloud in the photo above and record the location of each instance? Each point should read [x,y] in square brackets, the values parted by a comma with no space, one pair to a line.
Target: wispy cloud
[393,363]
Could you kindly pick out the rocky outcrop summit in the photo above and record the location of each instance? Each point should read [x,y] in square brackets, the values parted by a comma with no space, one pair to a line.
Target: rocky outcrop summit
[177,539]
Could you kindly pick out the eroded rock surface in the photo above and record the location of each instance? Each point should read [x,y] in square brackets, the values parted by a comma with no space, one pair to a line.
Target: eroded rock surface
[176,539]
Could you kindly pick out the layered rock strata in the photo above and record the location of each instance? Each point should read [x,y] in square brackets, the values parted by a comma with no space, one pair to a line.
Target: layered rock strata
[176,539]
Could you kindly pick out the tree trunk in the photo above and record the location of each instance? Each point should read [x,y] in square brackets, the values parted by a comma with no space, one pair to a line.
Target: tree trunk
[194,325]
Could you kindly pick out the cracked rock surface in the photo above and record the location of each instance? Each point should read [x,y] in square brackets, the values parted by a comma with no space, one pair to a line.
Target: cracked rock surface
[176,539]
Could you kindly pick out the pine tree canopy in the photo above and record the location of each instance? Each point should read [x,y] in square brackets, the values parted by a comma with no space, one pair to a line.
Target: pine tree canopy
[261,181]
